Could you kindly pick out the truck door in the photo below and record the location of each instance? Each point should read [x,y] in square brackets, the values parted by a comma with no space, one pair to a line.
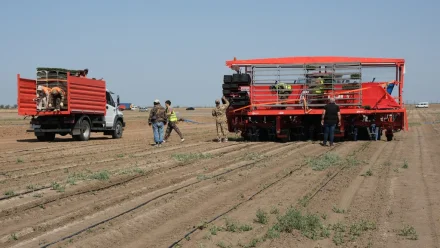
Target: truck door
[111,111]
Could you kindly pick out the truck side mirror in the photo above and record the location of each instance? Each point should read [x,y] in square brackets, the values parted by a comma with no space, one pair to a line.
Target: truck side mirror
[117,101]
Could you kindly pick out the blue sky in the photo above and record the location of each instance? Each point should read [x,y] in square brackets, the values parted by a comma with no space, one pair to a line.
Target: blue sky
[177,49]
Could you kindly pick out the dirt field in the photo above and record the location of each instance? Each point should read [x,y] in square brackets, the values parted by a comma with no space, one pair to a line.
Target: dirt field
[126,193]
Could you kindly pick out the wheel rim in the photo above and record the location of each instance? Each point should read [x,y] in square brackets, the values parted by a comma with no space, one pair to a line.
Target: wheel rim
[118,129]
[85,129]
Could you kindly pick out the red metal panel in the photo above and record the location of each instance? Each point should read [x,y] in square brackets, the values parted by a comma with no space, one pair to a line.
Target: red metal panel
[288,112]
[86,95]
[313,60]
[26,89]
[377,97]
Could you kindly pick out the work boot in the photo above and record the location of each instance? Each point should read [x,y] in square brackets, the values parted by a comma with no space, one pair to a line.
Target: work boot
[225,140]
[219,140]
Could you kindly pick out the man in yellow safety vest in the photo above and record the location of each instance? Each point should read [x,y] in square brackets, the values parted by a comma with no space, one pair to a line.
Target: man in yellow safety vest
[172,122]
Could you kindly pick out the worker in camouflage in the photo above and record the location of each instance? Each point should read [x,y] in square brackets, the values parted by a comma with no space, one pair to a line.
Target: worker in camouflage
[219,112]
[172,122]
[43,95]
[158,119]
[56,98]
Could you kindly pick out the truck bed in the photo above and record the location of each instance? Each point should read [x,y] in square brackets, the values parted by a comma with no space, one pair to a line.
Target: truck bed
[83,95]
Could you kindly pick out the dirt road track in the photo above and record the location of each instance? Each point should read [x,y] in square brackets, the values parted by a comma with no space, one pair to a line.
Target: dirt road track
[154,197]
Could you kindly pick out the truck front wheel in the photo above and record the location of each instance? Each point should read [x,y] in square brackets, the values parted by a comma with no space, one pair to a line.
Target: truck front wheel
[117,133]
[84,131]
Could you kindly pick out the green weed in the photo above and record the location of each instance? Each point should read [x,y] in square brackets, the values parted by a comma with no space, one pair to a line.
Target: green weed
[188,157]
[322,163]
[214,229]
[369,173]
[71,180]
[309,225]
[9,193]
[222,244]
[261,217]
[202,177]
[273,232]
[56,186]
[231,226]
[19,161]
[13,237]
[254,156]
[275,211]
[338,210]
[353,161]
[405,164]
[414,124]
[253,243]
[304,201]
[207,236]
[409,232]
[102,175]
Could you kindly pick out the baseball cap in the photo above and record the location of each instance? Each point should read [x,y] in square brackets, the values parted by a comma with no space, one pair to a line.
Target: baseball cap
[156,101]
[217,101]
[40,88]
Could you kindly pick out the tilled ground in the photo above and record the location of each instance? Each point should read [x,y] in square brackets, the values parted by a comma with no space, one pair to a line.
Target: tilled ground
[126,193]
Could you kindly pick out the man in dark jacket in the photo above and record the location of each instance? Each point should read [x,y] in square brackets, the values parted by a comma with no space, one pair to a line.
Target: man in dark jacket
[158,119]
[330,117]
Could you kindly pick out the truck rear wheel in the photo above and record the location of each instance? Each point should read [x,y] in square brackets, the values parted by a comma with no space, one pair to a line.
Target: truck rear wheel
[117,133]
[84,130]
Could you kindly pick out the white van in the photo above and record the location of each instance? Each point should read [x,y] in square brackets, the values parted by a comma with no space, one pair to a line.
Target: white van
[422,105]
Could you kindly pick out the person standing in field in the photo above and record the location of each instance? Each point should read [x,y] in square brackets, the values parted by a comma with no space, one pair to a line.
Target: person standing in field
[172,122]
[330,118]
[157,119]
[219,112]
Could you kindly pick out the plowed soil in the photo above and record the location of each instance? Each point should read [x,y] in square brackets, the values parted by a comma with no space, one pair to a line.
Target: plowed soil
[200,193]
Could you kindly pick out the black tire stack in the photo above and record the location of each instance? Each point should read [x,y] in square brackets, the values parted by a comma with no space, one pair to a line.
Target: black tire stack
[231,89]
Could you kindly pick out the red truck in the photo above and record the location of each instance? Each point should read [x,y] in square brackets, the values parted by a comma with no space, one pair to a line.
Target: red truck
[88,107]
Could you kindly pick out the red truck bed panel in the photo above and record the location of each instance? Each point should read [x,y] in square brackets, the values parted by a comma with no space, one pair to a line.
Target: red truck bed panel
[84,95]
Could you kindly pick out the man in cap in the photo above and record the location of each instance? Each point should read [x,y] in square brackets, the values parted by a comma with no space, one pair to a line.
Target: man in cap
[219,112]
[158,119]
[172,122]
[56,98]
[43,94]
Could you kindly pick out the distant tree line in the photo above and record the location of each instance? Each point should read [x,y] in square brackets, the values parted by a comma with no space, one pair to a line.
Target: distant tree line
[7,106]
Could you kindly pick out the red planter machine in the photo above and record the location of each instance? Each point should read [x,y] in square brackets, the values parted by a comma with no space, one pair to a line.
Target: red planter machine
[283,98]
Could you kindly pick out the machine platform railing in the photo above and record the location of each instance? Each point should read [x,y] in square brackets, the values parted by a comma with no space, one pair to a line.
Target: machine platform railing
[292,85]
